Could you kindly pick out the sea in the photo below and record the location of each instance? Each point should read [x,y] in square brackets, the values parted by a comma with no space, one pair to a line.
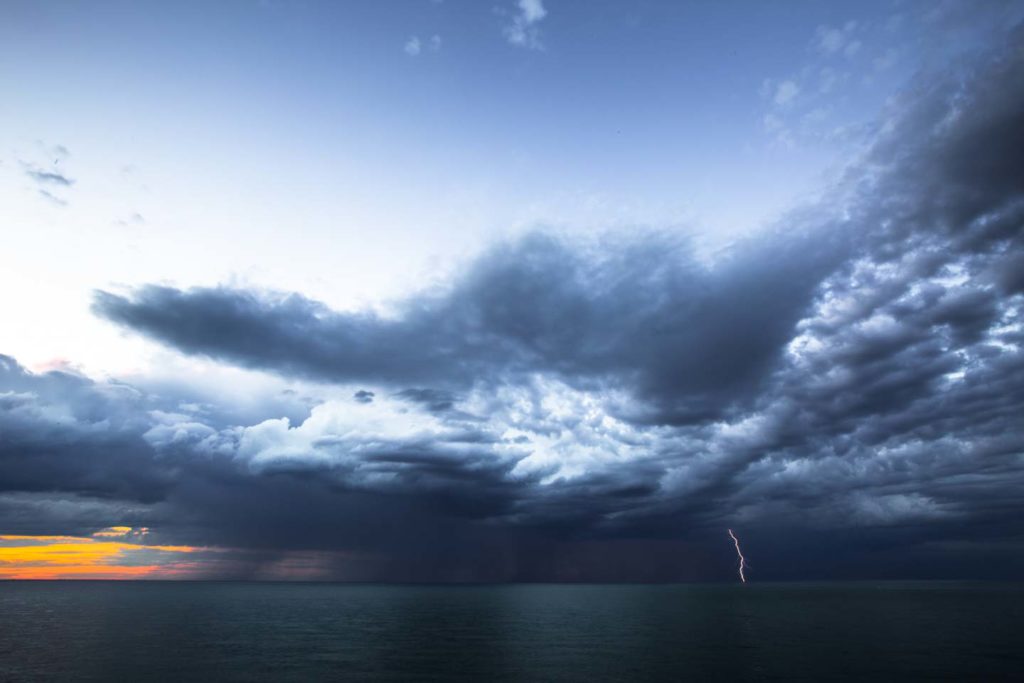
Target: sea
[209,631]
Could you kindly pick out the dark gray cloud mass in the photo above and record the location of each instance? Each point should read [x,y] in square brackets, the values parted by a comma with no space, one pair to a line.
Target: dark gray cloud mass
[846,390]
[688,339]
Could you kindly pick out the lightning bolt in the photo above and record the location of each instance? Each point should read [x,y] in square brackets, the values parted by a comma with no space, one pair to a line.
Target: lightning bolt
[743,560]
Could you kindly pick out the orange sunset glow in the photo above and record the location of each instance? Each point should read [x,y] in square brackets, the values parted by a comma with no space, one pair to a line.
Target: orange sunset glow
[98,556]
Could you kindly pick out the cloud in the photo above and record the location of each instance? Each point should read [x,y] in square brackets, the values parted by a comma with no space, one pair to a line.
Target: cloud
[886,60]
[781,97]
[785,92]
[69,557]
[837,40]
[641,313]
[844,388]
[135,218]
[49,177]
[52,198]
[523,31]
[414,46]
[50,181]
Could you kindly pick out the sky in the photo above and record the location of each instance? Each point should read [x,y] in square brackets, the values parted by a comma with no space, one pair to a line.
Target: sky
[523,290]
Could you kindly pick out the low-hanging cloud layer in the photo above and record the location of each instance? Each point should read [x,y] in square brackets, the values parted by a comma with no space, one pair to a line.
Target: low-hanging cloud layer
[844,390]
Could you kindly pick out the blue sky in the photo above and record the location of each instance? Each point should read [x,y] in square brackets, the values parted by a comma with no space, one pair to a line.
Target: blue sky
[310,128]
[536,272]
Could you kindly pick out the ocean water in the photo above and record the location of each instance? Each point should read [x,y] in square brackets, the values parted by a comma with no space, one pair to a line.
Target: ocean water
[164,631]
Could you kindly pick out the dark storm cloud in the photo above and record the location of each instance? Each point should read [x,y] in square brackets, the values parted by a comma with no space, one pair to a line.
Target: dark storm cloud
[687,338]
[77,456]
[898,406]
[436,400]
[846,391]
[61,434]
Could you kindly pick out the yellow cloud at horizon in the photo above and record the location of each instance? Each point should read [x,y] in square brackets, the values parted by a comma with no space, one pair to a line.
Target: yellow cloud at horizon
[86,557]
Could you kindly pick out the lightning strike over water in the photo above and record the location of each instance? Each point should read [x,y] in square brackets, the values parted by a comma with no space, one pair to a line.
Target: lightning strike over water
[743,560]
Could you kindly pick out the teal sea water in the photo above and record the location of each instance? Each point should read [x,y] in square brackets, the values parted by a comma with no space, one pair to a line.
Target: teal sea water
[139,631]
